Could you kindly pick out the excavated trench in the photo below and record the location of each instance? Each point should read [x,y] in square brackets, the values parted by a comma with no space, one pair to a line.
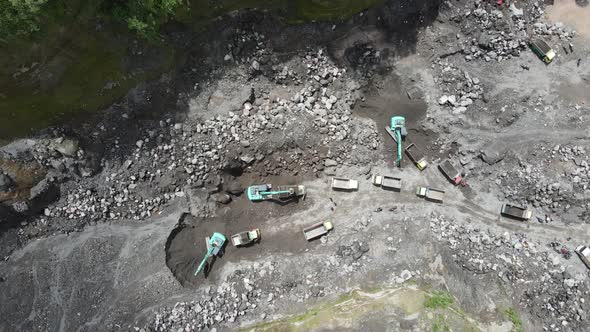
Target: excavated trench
[186,245]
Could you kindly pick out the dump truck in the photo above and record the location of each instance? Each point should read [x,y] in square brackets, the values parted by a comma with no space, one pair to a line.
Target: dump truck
[450,172]
[416,156]
[344,184]
[542,50]
[387,182]
[245,238]
[317,230]
[517,212]
[263,192]
[584,254]
[431,194]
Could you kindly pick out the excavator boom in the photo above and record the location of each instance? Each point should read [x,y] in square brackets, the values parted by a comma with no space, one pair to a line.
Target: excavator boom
[207,255]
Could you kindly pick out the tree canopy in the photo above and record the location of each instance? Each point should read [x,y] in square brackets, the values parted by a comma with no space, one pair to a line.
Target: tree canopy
[24,17]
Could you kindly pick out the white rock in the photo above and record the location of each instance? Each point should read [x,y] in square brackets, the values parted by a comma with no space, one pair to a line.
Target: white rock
[569,283]
[515,11]
[406,275]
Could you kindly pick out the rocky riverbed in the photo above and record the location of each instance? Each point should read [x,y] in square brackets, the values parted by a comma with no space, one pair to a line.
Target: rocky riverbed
[103,223]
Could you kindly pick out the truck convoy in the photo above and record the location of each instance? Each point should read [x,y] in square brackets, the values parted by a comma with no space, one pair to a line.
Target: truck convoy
[387,182]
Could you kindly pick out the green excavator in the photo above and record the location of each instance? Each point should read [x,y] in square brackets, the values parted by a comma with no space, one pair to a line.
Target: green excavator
[214,245]
[263,192]
[397,131]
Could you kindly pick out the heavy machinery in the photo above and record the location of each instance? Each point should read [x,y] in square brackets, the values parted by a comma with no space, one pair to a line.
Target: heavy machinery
[387,182]
[245,238]
[416,156]
[214,245]
[317,230]
[542,50]
[263,192]
[431,194]
[344,184]
[450,172]
[584,254]
[517,212]
[397,130]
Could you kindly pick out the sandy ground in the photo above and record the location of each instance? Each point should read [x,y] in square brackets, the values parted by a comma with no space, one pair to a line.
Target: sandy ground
[116,276]
[568,12]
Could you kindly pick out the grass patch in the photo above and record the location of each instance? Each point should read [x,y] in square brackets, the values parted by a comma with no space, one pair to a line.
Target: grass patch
[438,300]
[515,319]
[440,324]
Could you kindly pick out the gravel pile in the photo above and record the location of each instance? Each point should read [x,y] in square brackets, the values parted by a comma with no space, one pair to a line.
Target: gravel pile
[238,296]
[552,292]
[173,158]
[461,90]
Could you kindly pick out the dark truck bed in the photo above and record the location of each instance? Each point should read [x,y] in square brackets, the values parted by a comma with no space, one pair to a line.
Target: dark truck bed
[541,45]
[516,212]
[450,172]
[416,156]
[387,182]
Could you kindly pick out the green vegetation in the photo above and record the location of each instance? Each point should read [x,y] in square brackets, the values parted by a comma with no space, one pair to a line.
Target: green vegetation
[438,300]
[515,319]
[145,16]
[20,17]
[63,58]
[439,324]
[24,17]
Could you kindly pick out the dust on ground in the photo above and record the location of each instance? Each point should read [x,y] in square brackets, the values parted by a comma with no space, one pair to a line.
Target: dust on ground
[571,13]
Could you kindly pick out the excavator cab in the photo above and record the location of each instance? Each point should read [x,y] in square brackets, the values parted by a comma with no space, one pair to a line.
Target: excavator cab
[398,132]
[399,123]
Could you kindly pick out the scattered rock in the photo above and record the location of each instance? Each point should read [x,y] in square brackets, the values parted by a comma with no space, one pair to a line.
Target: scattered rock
[66,146]
[221,198]
[235,188]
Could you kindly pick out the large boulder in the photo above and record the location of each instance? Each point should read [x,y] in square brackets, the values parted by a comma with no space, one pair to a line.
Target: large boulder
[493,153]
[6,182]
[66,146]
[235,188]
[199,203]
[222,102]
[43,193]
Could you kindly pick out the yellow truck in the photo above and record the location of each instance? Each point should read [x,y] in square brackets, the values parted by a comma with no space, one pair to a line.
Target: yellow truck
[542,50]
[416,156]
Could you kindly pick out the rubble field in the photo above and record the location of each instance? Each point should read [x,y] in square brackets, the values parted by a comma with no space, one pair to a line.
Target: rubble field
[103,222]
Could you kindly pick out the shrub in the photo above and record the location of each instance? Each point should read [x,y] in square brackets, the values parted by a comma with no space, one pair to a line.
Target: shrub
[145,16]
[20,17]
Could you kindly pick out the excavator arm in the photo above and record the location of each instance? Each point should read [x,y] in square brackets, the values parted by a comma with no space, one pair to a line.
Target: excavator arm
[398,139]
[209,252]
